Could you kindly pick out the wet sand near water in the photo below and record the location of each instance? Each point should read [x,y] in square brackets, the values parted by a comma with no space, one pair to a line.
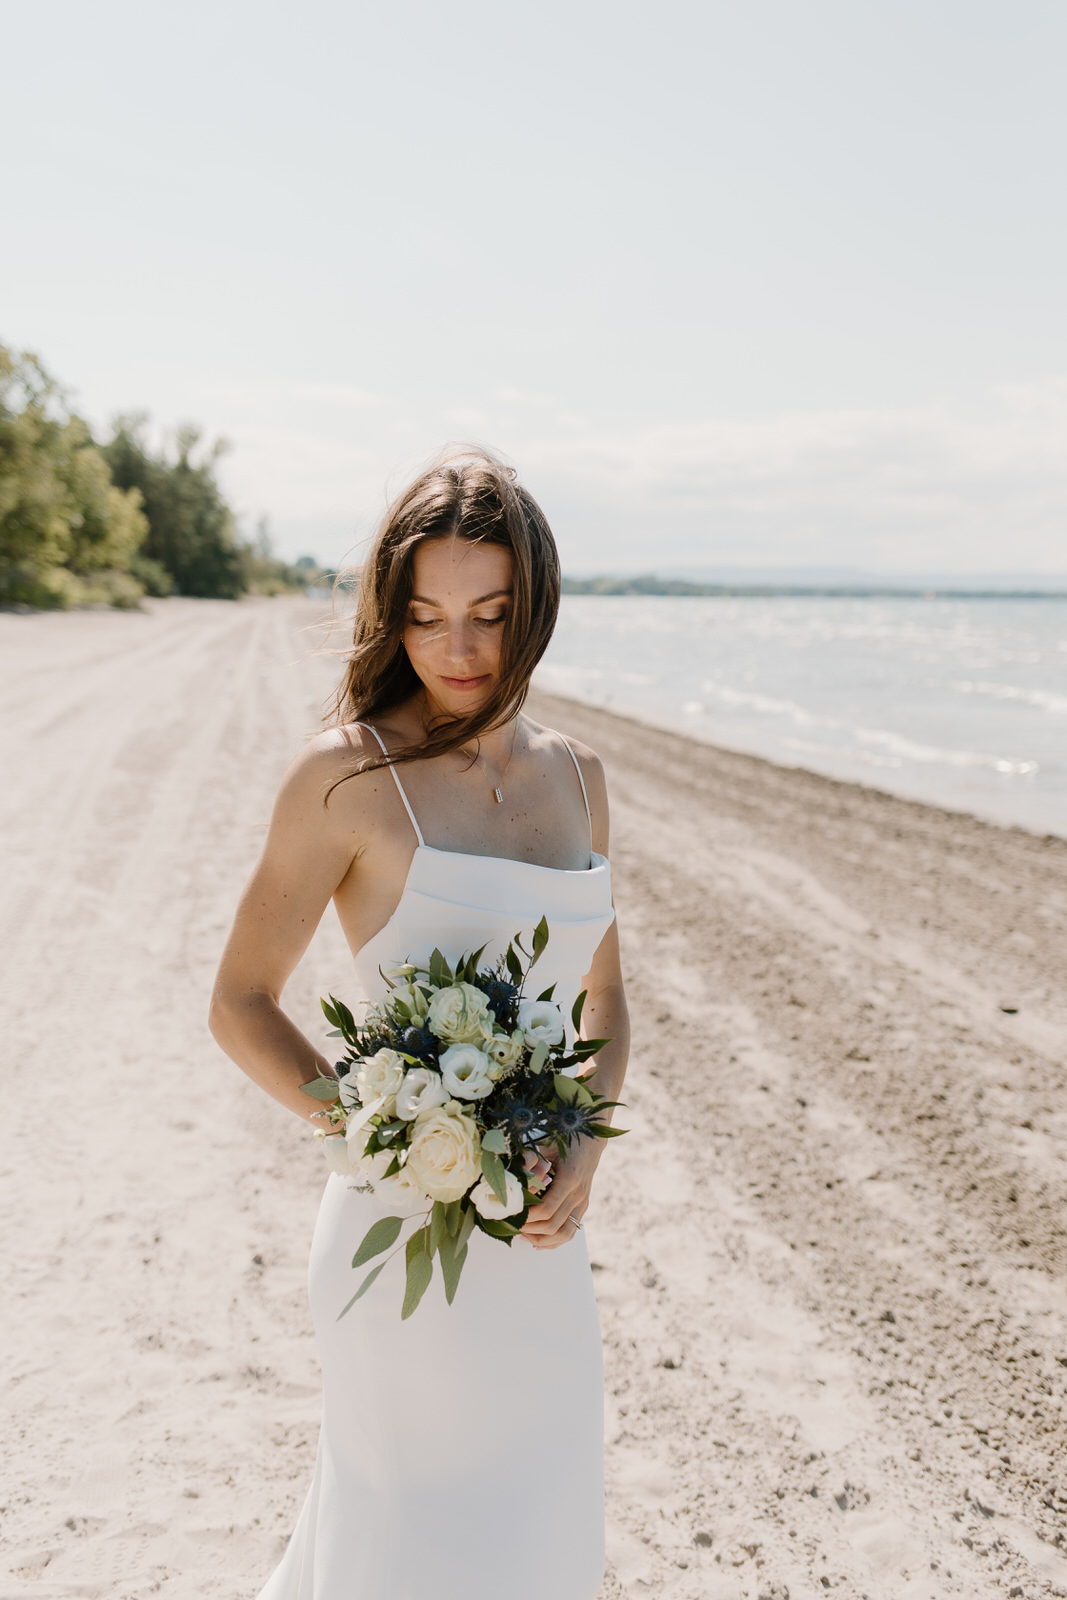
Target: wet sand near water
[830,1255]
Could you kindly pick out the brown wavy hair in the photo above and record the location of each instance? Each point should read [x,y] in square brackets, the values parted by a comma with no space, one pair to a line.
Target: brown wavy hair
[467,494]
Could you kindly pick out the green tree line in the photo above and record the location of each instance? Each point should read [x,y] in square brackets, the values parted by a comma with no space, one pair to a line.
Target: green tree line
[85,521]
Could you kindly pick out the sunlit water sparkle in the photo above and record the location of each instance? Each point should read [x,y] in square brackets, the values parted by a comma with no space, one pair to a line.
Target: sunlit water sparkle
[962,703]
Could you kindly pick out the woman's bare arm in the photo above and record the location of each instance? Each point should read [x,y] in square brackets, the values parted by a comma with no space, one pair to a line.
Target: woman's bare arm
[604,1016]
[309,849]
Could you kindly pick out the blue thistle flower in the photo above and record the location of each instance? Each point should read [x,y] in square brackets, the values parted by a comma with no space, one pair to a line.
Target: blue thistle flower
[503,1000]
[571,1122]
[420,1042]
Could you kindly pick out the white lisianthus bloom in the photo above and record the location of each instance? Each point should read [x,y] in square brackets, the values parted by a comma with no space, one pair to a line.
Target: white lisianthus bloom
[444,1157]
[460,1014]
[379,1077]
[421,1090]
[467,1072]
[541,1022]
[487,1204]
[505,1049]
[336,1149]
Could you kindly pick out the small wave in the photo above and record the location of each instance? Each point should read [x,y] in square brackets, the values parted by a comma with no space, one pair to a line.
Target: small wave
[894,748]
[1043,699]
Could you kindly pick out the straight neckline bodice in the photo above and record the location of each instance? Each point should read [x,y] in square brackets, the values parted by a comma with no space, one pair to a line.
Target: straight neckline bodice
[595,860]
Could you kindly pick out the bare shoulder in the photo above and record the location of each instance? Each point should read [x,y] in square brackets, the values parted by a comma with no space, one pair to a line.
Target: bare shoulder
[317,781]
[592,770]
[588,760]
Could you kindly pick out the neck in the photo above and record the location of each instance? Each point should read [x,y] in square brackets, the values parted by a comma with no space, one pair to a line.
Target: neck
[494,747]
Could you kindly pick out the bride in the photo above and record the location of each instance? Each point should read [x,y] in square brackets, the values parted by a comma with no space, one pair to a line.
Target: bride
[461,1452]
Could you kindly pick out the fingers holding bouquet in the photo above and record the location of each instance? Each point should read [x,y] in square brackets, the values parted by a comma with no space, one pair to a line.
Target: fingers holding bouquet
[557,1219]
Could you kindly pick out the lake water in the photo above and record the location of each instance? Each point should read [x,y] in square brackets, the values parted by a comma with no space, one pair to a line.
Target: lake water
[959,702]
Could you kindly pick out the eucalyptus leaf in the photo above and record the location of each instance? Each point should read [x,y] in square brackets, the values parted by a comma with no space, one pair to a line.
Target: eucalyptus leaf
[453,1272]
[493,1168]
[324,1089]
[514,965]
[418,1243]
[378,1237]
[546,994]
[452,1260]
[420,1271]
[496,1141]
[466,1227]
[539,1057]
[364,1286]
[439,1234]
[453,1216]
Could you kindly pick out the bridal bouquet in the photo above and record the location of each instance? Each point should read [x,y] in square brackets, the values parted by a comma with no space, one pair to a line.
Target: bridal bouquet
[450,1091]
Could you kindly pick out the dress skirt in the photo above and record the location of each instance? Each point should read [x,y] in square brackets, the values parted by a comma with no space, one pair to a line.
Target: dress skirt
[461,1451]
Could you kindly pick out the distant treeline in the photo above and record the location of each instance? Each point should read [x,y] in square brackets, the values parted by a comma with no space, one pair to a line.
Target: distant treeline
[650,584]
[84,520]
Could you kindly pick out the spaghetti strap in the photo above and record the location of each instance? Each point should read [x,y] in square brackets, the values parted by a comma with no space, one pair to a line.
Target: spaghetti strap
[400,786]
[581,780]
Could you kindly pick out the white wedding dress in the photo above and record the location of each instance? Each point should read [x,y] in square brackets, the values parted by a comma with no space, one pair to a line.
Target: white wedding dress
[461,1451]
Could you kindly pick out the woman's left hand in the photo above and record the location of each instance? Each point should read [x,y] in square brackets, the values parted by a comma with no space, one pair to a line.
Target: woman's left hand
[549,1223]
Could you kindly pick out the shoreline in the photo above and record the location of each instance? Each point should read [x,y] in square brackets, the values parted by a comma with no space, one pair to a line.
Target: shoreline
[829,1254]
[768,762]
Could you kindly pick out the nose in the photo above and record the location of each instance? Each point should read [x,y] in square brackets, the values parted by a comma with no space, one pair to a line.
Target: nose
[460,642]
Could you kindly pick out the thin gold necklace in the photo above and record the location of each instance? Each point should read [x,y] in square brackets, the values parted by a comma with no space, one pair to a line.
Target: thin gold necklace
[497,795]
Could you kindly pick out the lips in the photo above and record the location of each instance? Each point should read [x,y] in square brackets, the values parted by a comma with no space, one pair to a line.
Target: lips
[467,683]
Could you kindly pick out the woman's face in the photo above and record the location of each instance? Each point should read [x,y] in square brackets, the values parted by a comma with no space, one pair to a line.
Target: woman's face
[455,623]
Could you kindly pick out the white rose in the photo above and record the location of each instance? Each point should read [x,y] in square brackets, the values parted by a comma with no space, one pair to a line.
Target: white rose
[505,1049]
[541,1022]
[487,1204]
[379,1077]
[444,1157]
[421,1090]
[466,1072]
[460,1014]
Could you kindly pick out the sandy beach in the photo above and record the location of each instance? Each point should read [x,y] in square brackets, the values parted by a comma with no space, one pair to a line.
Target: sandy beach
[830,1255]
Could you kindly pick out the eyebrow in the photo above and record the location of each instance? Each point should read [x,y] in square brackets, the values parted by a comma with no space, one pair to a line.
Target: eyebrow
[420,599]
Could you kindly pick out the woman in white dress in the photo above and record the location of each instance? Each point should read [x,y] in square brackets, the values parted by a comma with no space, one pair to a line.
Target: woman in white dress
[461,1451]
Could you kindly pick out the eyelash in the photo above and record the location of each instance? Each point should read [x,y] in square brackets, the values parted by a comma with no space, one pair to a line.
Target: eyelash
[487,622]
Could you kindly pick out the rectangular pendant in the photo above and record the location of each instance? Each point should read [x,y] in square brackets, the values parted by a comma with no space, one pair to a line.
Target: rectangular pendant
[499,797]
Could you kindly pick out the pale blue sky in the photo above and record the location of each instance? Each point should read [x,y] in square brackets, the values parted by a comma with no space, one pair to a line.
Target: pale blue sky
[753,283]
